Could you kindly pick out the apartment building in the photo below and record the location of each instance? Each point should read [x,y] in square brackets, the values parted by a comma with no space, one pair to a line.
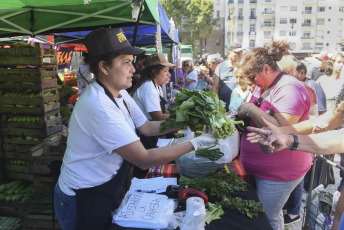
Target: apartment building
[309,25]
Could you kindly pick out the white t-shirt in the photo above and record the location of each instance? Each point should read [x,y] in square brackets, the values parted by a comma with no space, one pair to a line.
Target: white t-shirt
[96,128]
[192,75]
[225,71]
[147,97]
[83,70]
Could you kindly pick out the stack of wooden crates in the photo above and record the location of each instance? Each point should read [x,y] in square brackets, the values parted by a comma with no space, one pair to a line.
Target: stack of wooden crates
[30,111]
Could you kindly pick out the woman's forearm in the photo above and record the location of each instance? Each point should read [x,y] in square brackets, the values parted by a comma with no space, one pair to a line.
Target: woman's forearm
[256,115]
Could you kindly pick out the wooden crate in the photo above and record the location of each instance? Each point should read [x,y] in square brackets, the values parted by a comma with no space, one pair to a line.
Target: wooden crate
[43,84]
[41,49]
[28,79]
[13,140]
[44,121]
[42,54]
[39,109]
[48,148]
[39,97]
[15,155]
[42,183]
[40,165]
[19,176]
[35,61]
[16,168]
[43,132]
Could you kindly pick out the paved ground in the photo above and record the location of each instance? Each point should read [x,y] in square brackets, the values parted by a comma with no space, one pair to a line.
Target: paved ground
[330,188]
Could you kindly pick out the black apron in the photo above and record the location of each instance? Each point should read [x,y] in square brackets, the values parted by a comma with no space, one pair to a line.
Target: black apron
[94,205]
[149,143]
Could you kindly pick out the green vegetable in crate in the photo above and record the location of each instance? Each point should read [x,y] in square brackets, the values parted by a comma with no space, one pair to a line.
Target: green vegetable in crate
[20,106]
[5,187]
[20,189]
[2,196]
[51,117]
[13,188]
[28,138]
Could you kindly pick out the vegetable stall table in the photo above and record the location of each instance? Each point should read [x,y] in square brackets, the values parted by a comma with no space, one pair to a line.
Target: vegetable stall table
[230,219]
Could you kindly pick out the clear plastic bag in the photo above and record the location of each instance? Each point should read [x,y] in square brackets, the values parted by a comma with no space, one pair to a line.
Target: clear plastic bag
[191,166]
[195,214]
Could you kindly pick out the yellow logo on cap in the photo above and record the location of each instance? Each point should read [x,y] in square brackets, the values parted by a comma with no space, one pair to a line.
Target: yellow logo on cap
[121,37]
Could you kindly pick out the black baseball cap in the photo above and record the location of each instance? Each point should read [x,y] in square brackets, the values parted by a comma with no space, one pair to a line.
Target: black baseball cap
[109,40]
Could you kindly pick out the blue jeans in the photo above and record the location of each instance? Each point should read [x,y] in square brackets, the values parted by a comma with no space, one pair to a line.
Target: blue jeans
[273,195]
[65,209]
[293,204]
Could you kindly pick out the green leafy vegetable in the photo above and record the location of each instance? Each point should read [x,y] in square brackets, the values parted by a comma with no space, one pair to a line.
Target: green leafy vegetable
[220,188]
[211,154]
[214,212]
[197,108]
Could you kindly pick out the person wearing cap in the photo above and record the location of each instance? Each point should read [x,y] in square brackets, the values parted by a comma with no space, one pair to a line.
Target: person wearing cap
[102,139]
[318,72]
[217,85]
[225,69]
[149,97]
[83,75]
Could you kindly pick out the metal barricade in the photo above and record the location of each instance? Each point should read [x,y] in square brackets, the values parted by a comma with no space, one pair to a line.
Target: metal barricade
[312,212]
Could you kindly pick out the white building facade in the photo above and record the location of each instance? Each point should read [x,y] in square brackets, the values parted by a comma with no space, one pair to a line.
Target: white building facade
[309,25]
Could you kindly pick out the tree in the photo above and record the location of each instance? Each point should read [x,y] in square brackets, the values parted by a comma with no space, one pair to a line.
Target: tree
[198,15]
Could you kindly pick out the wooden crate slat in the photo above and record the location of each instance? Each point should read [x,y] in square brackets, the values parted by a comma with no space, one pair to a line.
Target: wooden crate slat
[40,49]
[19,176]
[28,110]
[44,84]
[35,61]
[32,132]
[46,71]
[17,168]
[35,100]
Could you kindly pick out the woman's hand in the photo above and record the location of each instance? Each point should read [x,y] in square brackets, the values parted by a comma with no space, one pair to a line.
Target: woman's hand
[271,141]
[243,109]
[254,137]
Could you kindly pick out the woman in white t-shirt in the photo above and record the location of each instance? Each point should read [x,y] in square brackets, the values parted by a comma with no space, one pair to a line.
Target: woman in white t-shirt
[190,77]
[102,139]
[331,82]
[148,96]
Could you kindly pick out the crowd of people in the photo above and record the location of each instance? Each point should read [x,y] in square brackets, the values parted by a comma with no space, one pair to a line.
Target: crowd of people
[119,114]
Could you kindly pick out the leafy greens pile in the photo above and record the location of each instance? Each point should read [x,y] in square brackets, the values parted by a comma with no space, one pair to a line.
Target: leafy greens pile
[220,188]
[196,108]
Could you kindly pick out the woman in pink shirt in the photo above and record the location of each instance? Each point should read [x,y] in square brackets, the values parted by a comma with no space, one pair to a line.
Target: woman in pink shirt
[287,102]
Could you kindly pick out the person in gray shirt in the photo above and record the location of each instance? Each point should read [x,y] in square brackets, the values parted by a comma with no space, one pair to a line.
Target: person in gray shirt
[302,76]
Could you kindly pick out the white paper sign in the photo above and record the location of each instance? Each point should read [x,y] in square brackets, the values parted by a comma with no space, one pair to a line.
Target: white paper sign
[145,210]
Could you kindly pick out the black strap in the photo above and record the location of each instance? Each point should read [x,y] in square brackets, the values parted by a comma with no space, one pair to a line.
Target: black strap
[259,101]
[83,76]
[107,92]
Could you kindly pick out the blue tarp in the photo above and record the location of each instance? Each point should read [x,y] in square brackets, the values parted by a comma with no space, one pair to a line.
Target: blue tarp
[145,34]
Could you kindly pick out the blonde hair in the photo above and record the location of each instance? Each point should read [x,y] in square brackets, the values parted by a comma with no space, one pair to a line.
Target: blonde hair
[288,64]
